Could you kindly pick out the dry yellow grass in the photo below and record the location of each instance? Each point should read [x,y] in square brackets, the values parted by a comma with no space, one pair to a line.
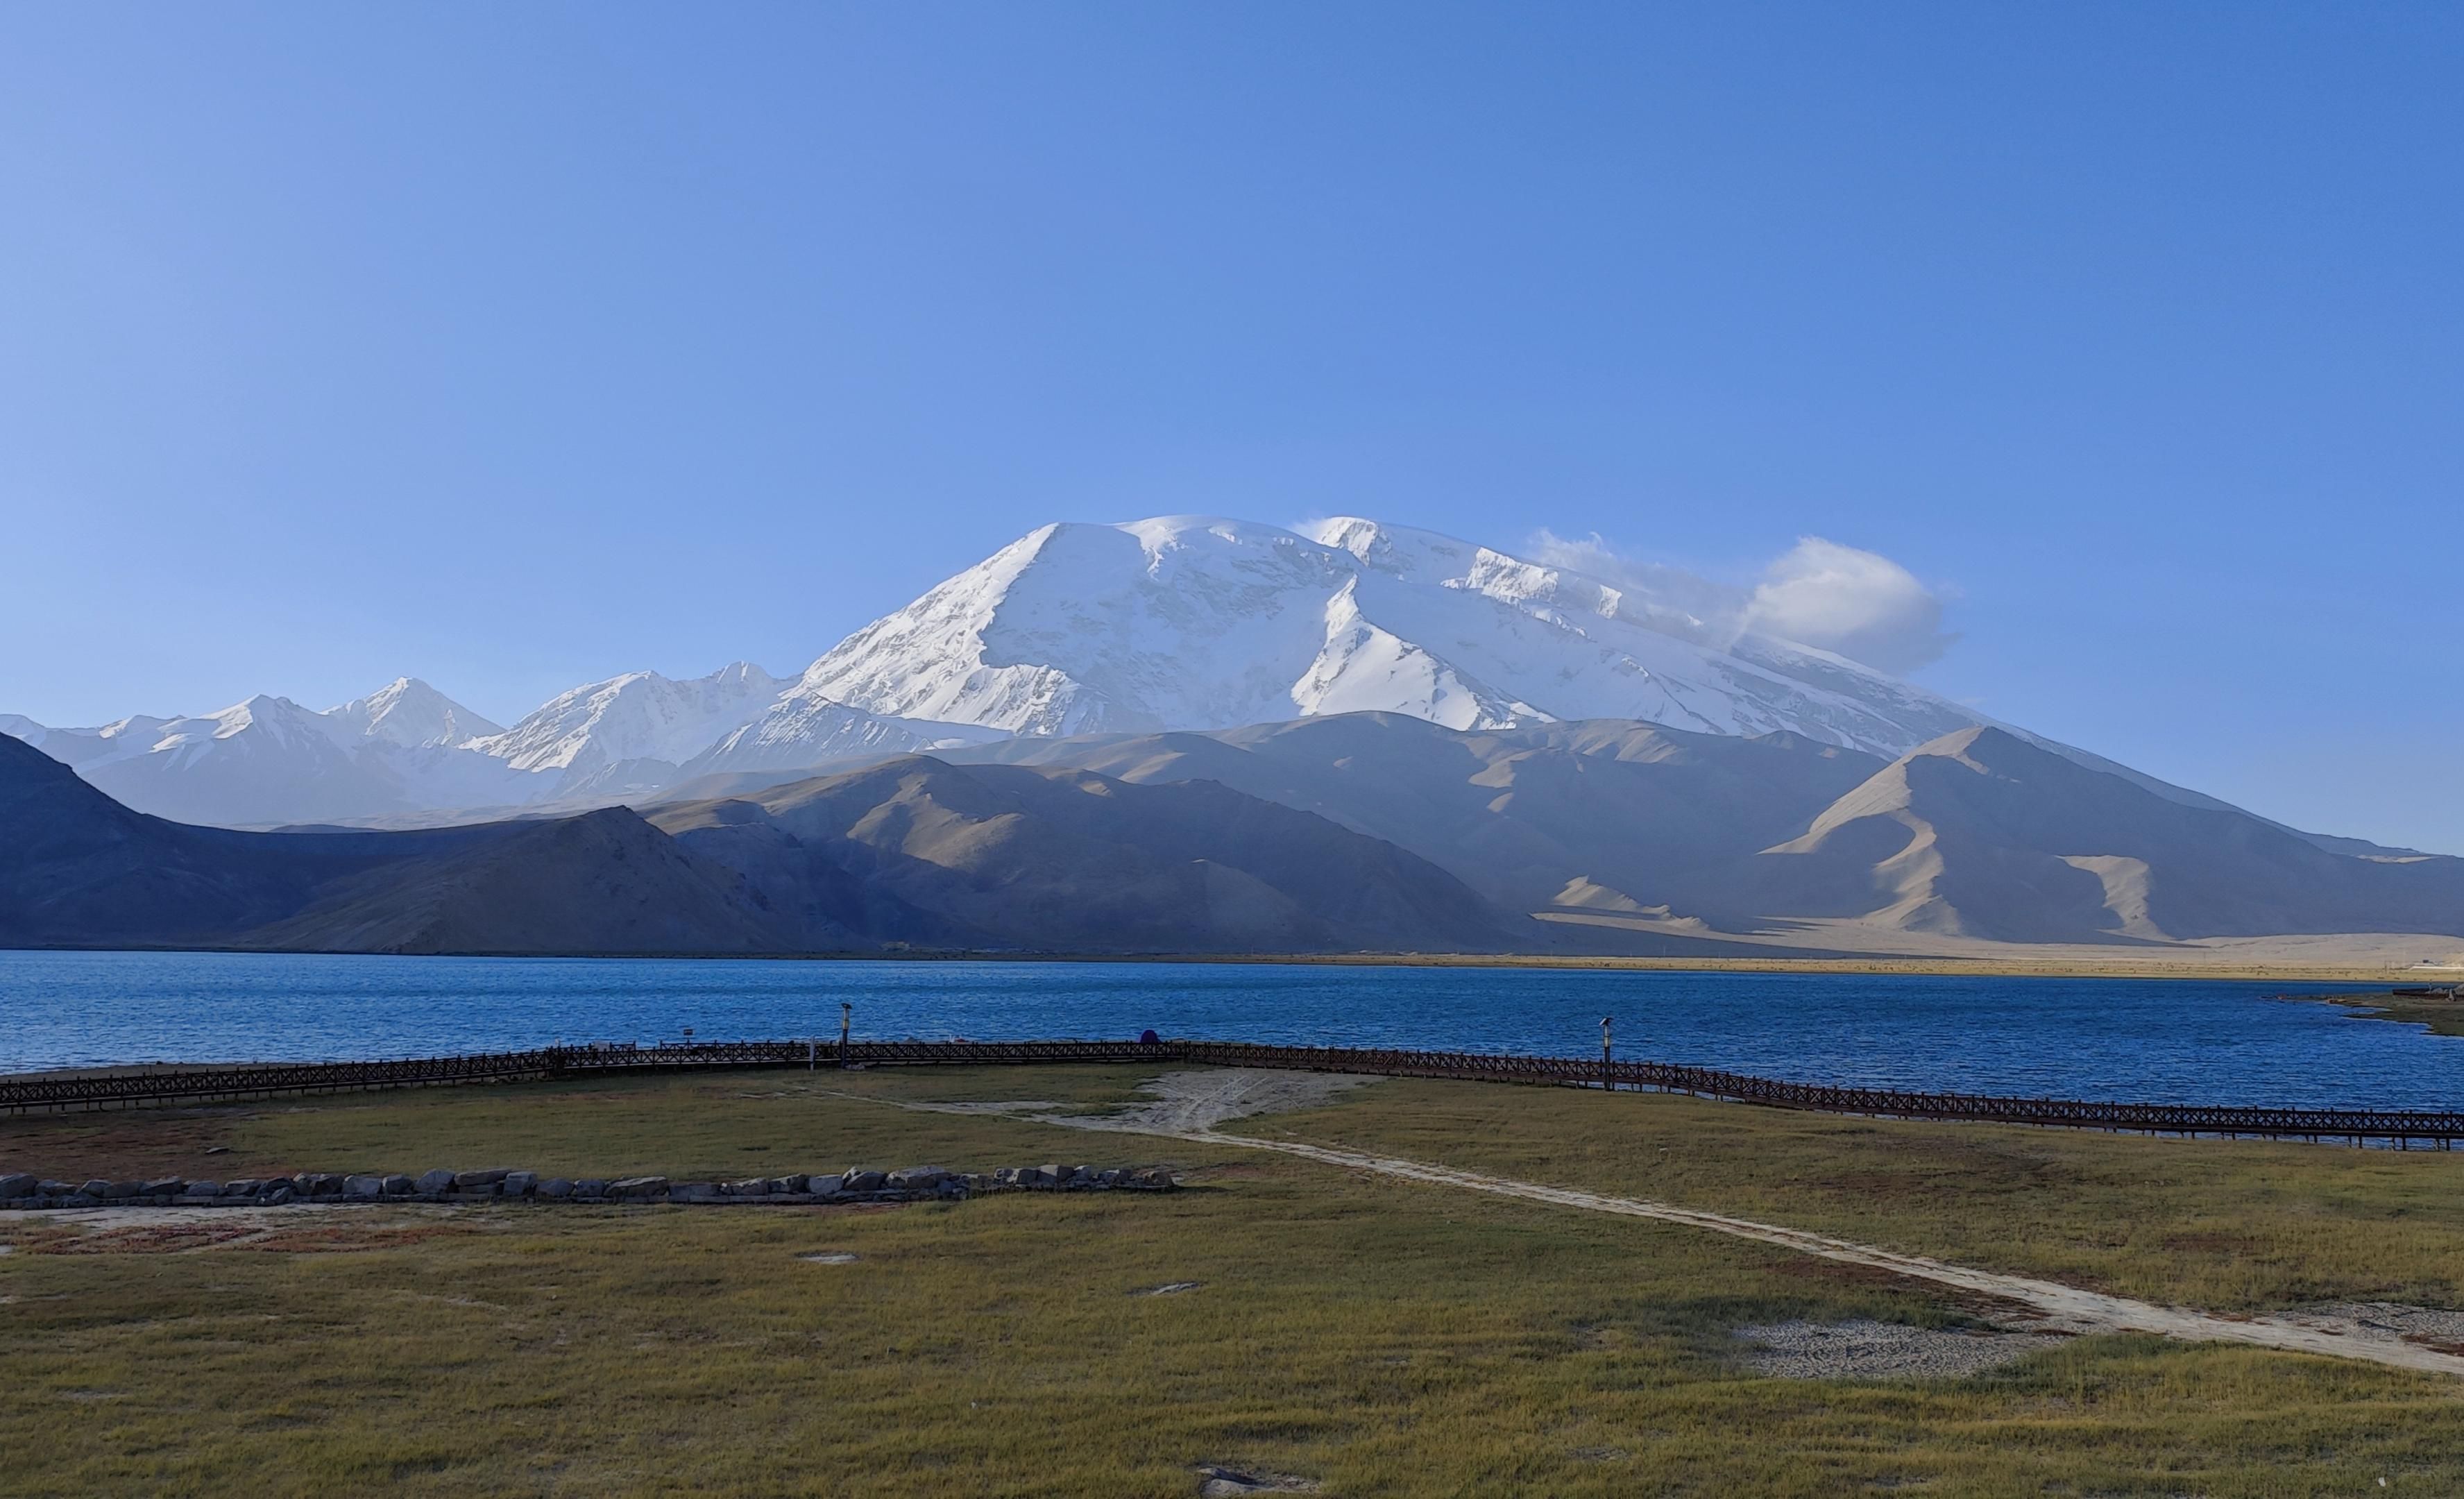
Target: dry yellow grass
[1381,1338]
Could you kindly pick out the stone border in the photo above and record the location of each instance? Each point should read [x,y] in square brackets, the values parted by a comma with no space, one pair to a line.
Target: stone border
[856,1184]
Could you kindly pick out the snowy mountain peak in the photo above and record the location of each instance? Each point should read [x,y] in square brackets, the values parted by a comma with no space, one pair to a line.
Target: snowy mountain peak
[278,717]
[803,729]
[409,713]
[1207,622]
[1401,550]
[639,715]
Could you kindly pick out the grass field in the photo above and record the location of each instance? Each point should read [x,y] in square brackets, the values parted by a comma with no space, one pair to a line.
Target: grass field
[1377,1337]
[2438,1017]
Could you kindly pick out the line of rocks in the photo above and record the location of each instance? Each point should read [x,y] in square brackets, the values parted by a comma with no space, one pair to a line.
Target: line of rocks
[856,1184]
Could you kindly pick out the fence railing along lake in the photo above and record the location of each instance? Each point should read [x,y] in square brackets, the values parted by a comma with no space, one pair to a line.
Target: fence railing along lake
[159,1085]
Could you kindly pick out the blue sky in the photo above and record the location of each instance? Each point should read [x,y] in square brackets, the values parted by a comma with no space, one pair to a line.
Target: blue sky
[514,347]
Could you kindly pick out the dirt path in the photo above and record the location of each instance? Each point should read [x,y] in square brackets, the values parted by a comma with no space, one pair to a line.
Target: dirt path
[1187,1101]
[1206,1095]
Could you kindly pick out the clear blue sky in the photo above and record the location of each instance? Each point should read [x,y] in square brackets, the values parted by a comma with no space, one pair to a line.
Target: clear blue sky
[514,346]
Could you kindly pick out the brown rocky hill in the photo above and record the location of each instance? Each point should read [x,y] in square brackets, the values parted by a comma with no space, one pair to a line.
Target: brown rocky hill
[1981,834]
[1984,835]
[915,853]
[1067,860]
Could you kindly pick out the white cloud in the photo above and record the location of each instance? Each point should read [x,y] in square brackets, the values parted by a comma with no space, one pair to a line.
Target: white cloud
[1856,603]
[1862,605]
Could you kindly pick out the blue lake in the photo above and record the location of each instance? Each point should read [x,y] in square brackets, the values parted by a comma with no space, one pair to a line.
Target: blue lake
[2177,1041]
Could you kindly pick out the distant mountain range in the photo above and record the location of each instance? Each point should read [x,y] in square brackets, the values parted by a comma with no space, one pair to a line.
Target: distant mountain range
[409,752]
[1194,734]
[912,855]
[1178,623]
[1371,832]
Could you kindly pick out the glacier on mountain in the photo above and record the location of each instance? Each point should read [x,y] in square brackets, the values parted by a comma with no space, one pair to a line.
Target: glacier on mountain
[1198,622]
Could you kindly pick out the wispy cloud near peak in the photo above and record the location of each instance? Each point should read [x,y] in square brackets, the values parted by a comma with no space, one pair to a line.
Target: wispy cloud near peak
[1837,598]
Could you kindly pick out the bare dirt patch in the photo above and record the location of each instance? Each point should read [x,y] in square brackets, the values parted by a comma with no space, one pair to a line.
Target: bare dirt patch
[1203,1100]
[348,1238]
[149,1239]
[293,1228]
[123,1144]
[1864,1348]
[1178,1103]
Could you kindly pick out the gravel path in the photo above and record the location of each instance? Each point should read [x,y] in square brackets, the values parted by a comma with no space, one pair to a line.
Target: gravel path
[2332,1333]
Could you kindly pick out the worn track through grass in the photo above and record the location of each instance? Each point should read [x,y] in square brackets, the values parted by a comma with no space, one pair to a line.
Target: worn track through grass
[1202,1100]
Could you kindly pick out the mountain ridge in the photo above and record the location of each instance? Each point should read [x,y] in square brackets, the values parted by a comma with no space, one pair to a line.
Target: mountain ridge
[1166,624]
[917,855]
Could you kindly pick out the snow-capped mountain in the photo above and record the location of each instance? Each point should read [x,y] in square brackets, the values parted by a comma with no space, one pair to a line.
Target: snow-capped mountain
[800,729]
[1194,622]
[639,715]
[407,750]
[1172,623]
[266,759]
[409,713]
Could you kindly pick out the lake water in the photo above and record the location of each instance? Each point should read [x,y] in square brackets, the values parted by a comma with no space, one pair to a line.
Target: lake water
[2179,1041]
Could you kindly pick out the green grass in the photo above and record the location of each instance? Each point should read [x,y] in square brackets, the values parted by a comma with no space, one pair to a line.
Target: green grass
[2222,1226]
[1384,1338]
[2438,1017]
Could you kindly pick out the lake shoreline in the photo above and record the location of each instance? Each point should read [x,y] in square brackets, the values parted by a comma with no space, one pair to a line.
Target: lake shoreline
[2439,1017]
[1834,965]
[2226,1041]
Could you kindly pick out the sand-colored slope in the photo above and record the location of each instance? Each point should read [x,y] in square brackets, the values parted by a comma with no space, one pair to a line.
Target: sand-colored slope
[1982,834]
[1013,856]
[1519,814]
[1619,832]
